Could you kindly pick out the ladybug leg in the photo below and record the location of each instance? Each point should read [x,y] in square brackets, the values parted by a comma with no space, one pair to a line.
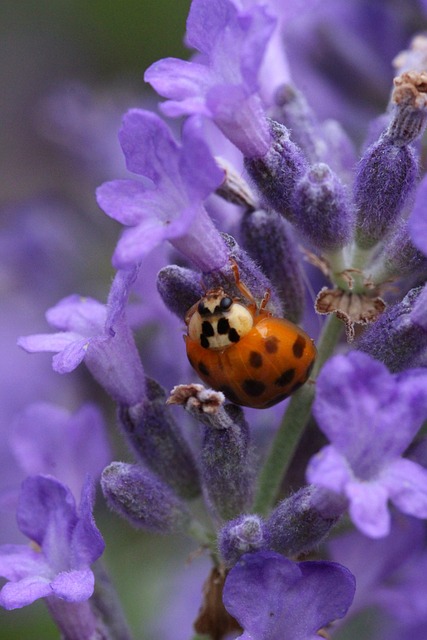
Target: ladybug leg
[239,284]
[265,300]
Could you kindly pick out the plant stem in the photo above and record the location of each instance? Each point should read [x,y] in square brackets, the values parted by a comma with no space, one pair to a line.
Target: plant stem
[293,423]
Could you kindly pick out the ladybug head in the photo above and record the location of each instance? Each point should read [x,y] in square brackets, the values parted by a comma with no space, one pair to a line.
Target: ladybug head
[218,321]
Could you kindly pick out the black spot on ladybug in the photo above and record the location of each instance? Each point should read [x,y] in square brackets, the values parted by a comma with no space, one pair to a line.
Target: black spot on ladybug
[271,344]
[203,369]
[223,326]
[253,387]
[207,329]
[255,359]
[285,378]
[229,393]
[299,346]
[202,309]
[204,341]
[233,336]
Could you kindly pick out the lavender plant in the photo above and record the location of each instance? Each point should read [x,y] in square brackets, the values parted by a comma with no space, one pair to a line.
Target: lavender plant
[311,513]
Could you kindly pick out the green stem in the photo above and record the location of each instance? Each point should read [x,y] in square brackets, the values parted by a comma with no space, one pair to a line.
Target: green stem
[293,424]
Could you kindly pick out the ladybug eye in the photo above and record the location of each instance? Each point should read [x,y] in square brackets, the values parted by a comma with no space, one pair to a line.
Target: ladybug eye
[201,308]
[225,303]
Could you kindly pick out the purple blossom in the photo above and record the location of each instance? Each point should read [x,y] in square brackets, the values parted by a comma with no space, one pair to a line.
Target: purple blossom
[222,83]
[273,598]
[67,540]
[98,334]
[48,439]
[370,417]
[167,205]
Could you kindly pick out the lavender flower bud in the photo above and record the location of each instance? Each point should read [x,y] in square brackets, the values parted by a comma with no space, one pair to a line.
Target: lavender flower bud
[410,108]
[276,173]
[225,461]
[385,179]
[322,209]
[158,442]
[245,533]
[396,338]
[251,275]
[140,497]
[399,258]
[296,114]
[179,288]
[300,523]
[268,239]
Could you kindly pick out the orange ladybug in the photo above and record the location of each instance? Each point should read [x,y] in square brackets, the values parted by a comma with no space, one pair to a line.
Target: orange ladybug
[239,348]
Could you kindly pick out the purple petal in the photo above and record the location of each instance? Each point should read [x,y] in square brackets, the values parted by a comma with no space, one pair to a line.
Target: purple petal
[125,200]
[359,402]
[48,341]
[73,586]
[135,243]
[329,469]
[207,21]
[406,482]
[71,356]
[241,119]
[87,544]
[79,314]
[273,598]
[198,169]
[181,80]
[118,297]
[368,508]
[149,147]
[18,561]
[46,511]
[15,595]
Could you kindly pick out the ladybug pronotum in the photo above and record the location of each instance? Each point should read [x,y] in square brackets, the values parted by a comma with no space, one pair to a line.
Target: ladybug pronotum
[241,349]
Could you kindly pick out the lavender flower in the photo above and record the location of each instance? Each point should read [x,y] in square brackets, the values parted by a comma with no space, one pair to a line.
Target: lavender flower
[68,542]
[370,417]
[223,83]
[98,334]
[273,598]
[182,177]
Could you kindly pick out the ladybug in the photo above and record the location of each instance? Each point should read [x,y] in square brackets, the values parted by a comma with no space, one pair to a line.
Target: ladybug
[241,349]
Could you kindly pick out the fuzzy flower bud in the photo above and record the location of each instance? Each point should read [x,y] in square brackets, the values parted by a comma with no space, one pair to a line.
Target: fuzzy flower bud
[225,463]
[276,173]
[322,209]
[295,113]
[410,108]
[398,338]
[144,500]
[179,288]
[242,535]
[300,523]
[158,442]
[399,259]
[385,180]
[268,239]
